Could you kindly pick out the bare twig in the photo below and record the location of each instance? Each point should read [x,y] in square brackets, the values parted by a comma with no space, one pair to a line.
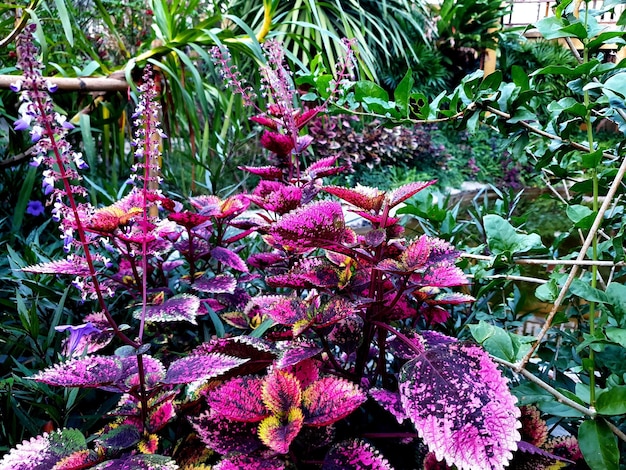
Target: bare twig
[106,84]
[548,262]
[17,159]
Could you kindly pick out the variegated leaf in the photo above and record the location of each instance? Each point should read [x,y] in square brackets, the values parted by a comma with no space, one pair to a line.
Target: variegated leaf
[90,371]
[238,399]
[200,367]
[363,197]
[85,458]
[354,455]
[73,265]
[406,191]
[139,462]
[281,392]
[278,433]
[229,258]
[390,401]
[297,351]
[461,406]
[330,399]
[249,462]
[225,435]
[43,452]
[220,284]
[118,438]
[183,307]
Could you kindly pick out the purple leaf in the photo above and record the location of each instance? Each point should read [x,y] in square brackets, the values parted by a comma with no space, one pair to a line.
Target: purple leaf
[204,367]
[259,352]
[309,272]
[297,351]
[265,172]
[390,401]
[548,458]
[139,462]
[238,399]
[335,310]
[278,432]
[285,310]
[408,190]
[348,333]
[85,458]
[461,406]
[183,307]
[281,392]
[354,454]
[324,167]
[129,378]
[119,438]
[74,265]
[43,452]
[90,371]
[248,462]
[310,226]
[265,260]
[229,258]
[276,197]
[220,284]
[224,435]
[434,338]
[363,197]
[401,349]
[330,399]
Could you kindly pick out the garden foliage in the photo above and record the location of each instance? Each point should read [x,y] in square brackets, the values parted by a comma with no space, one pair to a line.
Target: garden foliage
[326,307]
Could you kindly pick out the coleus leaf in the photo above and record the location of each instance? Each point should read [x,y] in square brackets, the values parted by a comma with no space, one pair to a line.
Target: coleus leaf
[220,284]
[259,352]
[238,399]
[85,458]
[330,399]
[406,191]
[73,265]
[309,272]
[90,371]
[363,197]
[182,307]
[354,454]
[161,414]
[282,309]
[461,406]
[281,392]
[265,172]
[390,401]
[229,258]
[531,456]
[139,462]
[224,435]
[43,452]
[249,462]
[200,367]
[295,352]
[276,197]
[336,309]
[278,432]
[118,438]
[313,225]
[324,167]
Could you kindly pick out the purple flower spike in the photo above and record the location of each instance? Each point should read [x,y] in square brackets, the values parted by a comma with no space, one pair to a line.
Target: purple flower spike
[35,208]
[77,333]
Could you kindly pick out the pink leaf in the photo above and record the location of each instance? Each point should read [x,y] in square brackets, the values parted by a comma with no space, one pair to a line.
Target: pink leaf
[183,307]
[265,172]
[285,310]
[335,310]
[354,454]
[129,378]
[310,226]
[229,258]
[238,399]
[307,273]
[281,392]
[404,192]
[248,462]
[297,351]
[330,399]
[461,406]
[390,401]
[278,433]
[74,265]
[324,167]
[43,452]
[363,197]
[193,368]
[280,144]
[224,435]
[276,197]
[90,371]
[220,284]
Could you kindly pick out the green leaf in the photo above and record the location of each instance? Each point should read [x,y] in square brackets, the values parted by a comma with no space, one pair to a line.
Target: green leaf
[364,89]
[547,292]
[578,71]
[612,402]
[593,159]
[582,216]
[502,237]
[598,445]
[617,84]
[617,335]
[22,201]
[402,93]
[520,77]
[616,293]
[65,21]
[583,290]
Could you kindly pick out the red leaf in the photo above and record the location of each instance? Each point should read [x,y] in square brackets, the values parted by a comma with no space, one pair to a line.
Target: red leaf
[404,192]
[461,406]
[363,197]
[238,399]
[330,399]
[265,172]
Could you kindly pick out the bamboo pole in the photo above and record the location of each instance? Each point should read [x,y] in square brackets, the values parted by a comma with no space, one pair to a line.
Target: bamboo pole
[88,84]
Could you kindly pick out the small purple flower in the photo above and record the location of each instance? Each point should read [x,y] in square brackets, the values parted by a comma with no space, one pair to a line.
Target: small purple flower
[35,208]
[77,333]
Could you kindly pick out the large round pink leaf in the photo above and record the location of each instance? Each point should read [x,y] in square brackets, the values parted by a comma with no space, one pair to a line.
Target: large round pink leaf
[461,407]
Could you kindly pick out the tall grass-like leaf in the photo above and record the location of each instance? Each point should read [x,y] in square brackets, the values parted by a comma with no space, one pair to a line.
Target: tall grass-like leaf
[66,21]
